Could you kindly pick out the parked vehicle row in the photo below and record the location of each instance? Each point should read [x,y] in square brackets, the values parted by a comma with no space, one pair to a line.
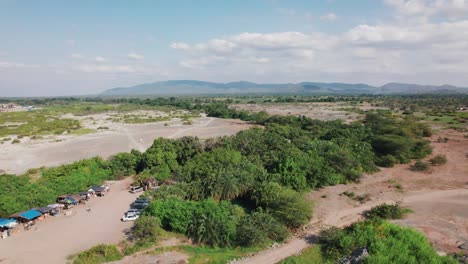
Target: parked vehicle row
[135,209]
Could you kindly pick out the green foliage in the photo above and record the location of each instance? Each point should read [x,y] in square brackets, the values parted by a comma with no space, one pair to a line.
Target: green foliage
[402,139]
[146,229]
[19,193]
[161,158]
[213,224]
[98,254]
[421,166]
[209,255]
[438,160]
[125,164]
[387,161]
[173,214]
[287,206]
[388,211]
[260,228]
[386,243]
[222,174]
[312,255]
[36,122]
[207,221]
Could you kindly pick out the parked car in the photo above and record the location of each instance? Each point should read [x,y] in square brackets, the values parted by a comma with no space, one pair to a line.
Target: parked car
[142,200]
[130,217]
[136,189]
[133,212]
[139,206]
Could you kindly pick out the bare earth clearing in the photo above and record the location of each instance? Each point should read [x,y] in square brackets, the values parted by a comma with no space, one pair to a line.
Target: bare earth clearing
[439,200]
[53,239]
[17,158]
[320,111]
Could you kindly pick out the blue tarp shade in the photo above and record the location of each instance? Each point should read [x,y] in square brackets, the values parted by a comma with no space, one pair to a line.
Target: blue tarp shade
[31,214]
[4,222]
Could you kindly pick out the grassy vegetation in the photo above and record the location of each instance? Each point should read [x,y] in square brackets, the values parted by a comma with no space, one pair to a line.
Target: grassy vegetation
[388,211]
[82,131]
[395,184]
[358,198]
[209,255]
[35,123]
[311,255]
[98,254]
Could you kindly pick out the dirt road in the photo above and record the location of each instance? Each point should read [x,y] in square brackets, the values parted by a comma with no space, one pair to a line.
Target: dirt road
[346,217]
[55,238]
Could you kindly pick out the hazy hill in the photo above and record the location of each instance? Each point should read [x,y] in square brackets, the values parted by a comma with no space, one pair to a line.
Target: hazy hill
[178,87]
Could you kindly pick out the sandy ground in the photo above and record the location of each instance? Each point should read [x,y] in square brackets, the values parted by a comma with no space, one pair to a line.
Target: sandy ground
[320,111]
[53,239]
[439,200]
[172,257]
[148,256]
[17,158]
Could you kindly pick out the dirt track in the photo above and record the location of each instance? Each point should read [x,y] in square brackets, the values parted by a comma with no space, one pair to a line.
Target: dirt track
[439,200]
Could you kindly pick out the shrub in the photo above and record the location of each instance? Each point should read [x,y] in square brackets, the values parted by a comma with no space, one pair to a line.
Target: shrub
[387,161]
[442,140]
[99,254]
[438,160]
[260,228]
[15,141]
[146,229]
[386,243]
[420,165]
[388,211]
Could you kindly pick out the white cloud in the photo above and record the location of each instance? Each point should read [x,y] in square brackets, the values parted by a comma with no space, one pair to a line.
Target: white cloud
[10,64]
[135,56]
[382,52]
[71,42]
[452,9]
[180,46]
[100,59]
[77,56]
[90,68]
[329,17]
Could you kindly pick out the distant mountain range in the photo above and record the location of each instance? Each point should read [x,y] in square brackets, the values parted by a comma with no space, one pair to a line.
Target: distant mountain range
[190,87]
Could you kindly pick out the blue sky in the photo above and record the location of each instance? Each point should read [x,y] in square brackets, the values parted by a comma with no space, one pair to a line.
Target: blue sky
[84,47]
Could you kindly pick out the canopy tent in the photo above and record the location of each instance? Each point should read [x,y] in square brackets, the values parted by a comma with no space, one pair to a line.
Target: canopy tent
[31,214]
[7,223]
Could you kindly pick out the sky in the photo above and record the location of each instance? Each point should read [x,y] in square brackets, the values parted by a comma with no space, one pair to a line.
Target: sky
[55,47]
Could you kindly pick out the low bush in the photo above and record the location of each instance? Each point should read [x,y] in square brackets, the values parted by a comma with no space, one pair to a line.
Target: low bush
[388,211]
[99,254]
[438,160]
[387,161]
[385,242]
[146,229]
[421,166]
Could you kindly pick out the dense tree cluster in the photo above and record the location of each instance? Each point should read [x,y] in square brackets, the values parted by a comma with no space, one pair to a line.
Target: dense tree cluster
[385,242]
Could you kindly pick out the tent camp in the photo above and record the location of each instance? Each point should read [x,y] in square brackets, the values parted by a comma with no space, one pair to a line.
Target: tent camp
[27,216]
[7,223]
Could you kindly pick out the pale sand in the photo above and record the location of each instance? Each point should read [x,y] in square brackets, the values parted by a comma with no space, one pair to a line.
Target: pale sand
[17,158]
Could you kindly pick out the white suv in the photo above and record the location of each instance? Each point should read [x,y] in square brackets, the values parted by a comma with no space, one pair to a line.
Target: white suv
[136,189]
[130,217]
